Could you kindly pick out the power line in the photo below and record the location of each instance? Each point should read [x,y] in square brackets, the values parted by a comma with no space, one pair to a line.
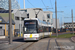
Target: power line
[31,3]
[51,4]
[43,3]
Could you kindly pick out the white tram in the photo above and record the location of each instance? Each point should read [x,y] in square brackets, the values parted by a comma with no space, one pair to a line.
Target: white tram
[35,29]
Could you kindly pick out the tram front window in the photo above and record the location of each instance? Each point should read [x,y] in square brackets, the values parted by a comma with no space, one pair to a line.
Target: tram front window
[30,27]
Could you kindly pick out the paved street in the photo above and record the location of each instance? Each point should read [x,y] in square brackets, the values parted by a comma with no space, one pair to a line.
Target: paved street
[43,44]
[53,44]
[6,40]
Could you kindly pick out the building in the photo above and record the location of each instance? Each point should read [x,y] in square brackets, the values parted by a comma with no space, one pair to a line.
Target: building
[4,21]
[4,24]
[4,4]
[69,24]
[54,23]
[48,16]
[42,15]
[17,15]
[33,11]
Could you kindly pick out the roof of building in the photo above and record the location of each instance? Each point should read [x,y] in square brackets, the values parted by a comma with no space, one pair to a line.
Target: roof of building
[5,18]
[48,12]
[2,20]
[5,11]
[33,8]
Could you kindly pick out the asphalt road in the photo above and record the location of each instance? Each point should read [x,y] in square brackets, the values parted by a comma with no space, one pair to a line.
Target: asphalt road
[43,44]
[52,44]
[6,40]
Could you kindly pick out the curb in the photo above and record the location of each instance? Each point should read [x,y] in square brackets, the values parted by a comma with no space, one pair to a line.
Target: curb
[72,39]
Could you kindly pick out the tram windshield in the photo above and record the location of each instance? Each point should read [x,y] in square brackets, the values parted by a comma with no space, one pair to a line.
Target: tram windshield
[30,26]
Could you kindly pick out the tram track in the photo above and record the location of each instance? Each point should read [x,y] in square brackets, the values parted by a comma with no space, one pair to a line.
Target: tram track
[28,46]
[48,44]
[56,44]
[19,46]
[24,48]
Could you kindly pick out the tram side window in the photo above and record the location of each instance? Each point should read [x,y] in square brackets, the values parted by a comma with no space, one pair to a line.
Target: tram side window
[46,29]
[40,29]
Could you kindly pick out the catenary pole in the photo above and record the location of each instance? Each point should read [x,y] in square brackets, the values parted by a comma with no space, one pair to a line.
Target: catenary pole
[20,25]
[10,23]
[72,22]
[56,17]
[24,4]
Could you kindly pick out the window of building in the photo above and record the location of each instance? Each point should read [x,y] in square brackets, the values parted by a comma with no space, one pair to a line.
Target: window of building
[51,21]
[43,20]
[22,18]
[16,18]
[0,27]
[27,15]
[24,10]
[69,25]
[47,20]
[48,15]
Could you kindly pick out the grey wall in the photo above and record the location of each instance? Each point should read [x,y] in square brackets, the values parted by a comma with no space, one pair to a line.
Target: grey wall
[54,23]
[45,15]
[19,14]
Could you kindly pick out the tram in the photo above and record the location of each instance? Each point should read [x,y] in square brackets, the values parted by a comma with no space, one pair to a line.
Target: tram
[35,29]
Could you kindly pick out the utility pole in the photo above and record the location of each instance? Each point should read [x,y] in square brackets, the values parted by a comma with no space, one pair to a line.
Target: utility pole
[10,23]
[56,17]
[20,25]
[24,4]
[72,22]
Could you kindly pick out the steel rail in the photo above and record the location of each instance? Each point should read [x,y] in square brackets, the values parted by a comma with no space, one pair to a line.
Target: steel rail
[29,46]
[20,45]
[48,44]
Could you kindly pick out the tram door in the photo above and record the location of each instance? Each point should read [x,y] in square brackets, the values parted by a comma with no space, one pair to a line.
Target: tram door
[49,29]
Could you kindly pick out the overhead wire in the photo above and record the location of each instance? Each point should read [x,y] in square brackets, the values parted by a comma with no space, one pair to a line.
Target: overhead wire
[30,3]
[51,4]
[43,3]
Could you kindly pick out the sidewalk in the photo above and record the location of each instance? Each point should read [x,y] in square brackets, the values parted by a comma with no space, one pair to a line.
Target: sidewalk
[8,38]
[15,43]
[7,46]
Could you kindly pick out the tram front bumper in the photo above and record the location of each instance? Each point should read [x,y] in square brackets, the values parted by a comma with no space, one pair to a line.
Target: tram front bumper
[33,38]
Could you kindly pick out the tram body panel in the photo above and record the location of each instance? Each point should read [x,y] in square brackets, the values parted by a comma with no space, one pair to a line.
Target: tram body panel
[31,36]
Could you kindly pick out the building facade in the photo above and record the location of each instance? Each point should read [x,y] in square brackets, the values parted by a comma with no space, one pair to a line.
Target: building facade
[48,16]
[4,24]
[16,22]
[17,15]
[42,15]
[54,23]
[69,24]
